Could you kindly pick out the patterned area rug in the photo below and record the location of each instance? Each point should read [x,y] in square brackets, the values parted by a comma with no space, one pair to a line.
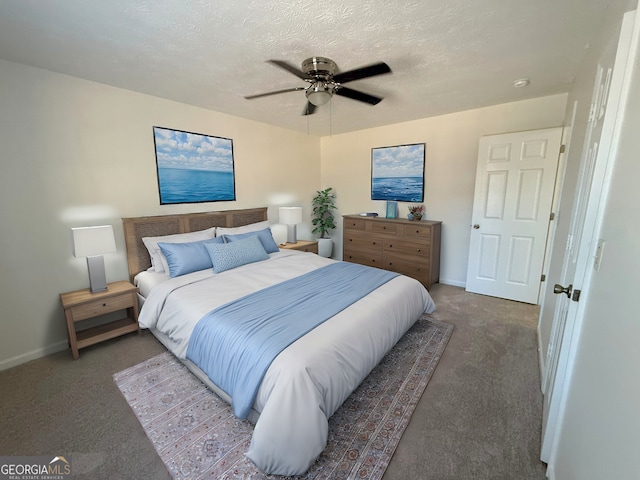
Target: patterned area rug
[197,436]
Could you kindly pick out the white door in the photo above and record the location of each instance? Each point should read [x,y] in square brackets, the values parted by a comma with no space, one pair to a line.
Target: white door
[582,250]
[515,179]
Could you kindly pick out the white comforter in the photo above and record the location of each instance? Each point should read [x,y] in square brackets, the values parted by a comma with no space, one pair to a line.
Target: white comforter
[310,379]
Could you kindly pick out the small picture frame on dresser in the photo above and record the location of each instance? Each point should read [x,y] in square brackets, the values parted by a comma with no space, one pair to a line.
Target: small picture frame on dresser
[392,209]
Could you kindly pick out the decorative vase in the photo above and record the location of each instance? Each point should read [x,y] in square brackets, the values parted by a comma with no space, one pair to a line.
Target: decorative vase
[416,217]
[325,246]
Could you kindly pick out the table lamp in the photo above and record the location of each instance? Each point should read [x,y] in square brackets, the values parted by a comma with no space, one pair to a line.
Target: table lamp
[291,216]
[93,242]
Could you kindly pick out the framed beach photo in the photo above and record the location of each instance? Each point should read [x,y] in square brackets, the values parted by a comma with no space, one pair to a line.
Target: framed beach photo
[193,168]
[397,173]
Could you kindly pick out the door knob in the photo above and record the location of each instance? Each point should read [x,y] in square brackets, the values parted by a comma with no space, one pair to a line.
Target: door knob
[557,288]
[476,226]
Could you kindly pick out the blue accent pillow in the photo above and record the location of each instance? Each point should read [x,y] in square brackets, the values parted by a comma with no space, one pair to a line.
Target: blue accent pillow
[226,256]
[265,236]
[188,257]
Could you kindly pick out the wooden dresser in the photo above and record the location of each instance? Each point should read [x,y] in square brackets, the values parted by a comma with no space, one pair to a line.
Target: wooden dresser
[408,247]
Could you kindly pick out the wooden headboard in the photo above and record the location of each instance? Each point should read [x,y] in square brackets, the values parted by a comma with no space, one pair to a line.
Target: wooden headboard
[135,228]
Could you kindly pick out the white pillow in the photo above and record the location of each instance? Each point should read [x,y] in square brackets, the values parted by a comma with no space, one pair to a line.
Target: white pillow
[158,260]
[253,227]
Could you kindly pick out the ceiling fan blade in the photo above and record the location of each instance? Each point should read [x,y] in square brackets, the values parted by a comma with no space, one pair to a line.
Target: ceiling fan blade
[309,109]
[289,68]
[356,95]
[294,89]
[363,72]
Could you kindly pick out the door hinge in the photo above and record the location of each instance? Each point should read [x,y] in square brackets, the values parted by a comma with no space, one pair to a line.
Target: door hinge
[552,216]
[576,296]
[562,148]
[543,277]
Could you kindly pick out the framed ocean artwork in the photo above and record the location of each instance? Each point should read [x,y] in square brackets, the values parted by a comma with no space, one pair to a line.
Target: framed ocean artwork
[397,173]
[193,168]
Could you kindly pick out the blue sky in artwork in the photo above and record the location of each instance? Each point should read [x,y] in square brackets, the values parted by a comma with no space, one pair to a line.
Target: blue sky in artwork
[401,161]
[175,149]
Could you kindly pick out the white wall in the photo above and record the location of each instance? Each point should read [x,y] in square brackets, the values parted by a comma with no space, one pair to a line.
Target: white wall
[600,434]
[78,153]
[450,167]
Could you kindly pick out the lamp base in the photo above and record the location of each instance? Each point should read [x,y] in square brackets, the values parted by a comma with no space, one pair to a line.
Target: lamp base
[292,236]
[97,277]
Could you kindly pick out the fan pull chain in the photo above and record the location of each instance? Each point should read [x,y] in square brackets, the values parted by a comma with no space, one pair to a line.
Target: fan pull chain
[330,116]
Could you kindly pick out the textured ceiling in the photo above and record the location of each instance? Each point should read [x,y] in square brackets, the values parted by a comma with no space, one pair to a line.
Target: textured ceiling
[446,56]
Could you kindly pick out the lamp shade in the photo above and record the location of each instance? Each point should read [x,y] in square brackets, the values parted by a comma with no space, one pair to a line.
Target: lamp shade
[90,241]
[290,215]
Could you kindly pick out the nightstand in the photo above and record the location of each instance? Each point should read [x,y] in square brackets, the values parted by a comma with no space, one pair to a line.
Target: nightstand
[302,245]
[82,305]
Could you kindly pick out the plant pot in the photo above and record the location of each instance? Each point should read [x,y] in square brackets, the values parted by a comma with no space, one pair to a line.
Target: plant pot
[417,218]
[325,247]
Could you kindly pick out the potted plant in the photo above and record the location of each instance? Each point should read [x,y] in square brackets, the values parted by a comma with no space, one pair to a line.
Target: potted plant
[324,202]
[416,211]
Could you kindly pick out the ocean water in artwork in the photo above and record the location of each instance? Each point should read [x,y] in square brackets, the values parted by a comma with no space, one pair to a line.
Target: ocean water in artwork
[401,189]
[181,185]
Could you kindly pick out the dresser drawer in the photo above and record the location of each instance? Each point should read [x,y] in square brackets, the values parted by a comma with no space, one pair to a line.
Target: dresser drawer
[363,258]
[419,271]
[355,224]
[385,228]
[101,307]
[413,250]
[418,233]
[362,242]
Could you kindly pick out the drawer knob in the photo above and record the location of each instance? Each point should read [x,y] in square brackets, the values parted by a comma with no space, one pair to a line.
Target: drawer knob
[390,245]
[419,250]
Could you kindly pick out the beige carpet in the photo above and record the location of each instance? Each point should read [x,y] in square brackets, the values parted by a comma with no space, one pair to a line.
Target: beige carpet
[196,434]
[479,417]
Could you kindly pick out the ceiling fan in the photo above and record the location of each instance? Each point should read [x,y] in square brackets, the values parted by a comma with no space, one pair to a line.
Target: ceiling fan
[319,72]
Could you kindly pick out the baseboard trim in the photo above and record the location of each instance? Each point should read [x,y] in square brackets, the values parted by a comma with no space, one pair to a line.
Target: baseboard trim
[453,283]
[541,359]
[33,354]
[550,473]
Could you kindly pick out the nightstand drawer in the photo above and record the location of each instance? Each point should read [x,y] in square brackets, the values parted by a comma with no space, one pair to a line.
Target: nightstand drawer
[302,246]
[100,307]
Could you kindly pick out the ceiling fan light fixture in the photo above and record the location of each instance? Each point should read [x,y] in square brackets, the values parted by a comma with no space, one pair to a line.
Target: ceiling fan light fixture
[318,94]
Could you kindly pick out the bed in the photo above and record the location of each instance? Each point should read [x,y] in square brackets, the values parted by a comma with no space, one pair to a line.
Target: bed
[308,379]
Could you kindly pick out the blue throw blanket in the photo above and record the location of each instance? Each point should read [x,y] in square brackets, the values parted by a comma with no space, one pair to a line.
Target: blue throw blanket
[235,344]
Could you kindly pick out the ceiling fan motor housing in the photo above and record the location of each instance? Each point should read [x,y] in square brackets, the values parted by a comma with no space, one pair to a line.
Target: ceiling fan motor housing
[319,66]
